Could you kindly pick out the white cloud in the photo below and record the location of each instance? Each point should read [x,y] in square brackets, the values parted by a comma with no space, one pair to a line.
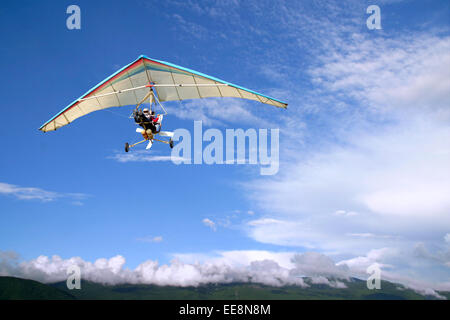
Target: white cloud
[403,74]
[270,268]
[209,223]
[313,264]
[377,174]
[177,273]
[333,283]
[32,193]
[190,28]
[396,179]
[344,213]
[437,257]
[142,156]
[264,221]
[370,235]
[27,193]
[282,232]
[151,239]
[218,111]
[389,152]
[360,264]
[238,258]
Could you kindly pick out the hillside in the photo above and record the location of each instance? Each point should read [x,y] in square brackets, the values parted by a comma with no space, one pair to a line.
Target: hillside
[15,288]
[21,289]
[356,289]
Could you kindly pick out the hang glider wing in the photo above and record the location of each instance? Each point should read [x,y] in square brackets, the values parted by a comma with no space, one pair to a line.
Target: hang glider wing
[131,84]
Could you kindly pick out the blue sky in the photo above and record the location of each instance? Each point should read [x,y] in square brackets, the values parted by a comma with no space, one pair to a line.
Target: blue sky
[363,172]
[122,202]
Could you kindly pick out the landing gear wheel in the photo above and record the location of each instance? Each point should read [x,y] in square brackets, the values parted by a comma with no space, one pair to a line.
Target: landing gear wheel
[171,144]
[127,147]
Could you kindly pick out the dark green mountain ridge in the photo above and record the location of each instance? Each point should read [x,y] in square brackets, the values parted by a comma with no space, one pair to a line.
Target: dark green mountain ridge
[23,289]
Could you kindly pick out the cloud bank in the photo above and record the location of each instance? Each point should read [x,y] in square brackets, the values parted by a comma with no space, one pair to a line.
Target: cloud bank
[269,268]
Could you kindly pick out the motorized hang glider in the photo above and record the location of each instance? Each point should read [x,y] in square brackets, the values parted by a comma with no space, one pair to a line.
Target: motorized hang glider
[137,82]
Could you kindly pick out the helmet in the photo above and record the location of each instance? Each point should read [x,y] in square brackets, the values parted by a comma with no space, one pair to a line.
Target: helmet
[146,110]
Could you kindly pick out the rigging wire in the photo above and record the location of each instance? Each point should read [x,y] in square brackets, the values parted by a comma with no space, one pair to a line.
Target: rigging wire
[116,113]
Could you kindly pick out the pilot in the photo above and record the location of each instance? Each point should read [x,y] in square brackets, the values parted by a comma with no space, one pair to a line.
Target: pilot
[152,119]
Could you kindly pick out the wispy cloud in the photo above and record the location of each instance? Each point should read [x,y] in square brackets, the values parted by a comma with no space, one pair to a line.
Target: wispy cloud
[150,239]
[209,223]
[142,156]
[32,193]
[343,213]
[397,74]
[189,28]
[375,149]
[371,235]
[218,112]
